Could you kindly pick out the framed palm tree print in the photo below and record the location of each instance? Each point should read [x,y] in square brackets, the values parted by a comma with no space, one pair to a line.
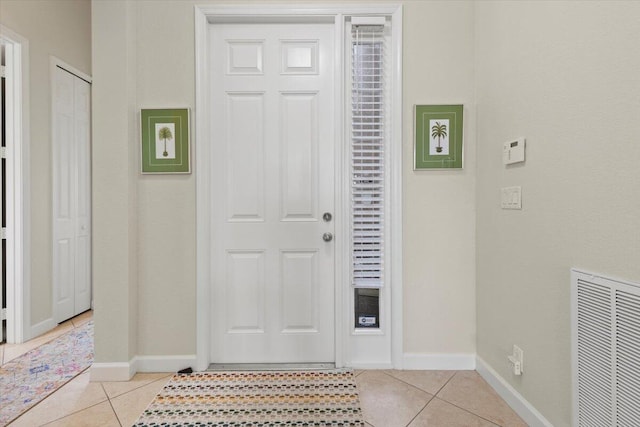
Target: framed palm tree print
[438,137]
[165,140]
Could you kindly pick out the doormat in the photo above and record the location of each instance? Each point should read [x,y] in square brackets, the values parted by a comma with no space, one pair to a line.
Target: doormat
[257,399]
[36,374]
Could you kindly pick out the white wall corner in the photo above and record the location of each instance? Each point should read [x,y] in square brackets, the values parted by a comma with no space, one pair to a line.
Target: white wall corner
[515,400]
[172,363]
[118,371]
[439,361]
[42,327]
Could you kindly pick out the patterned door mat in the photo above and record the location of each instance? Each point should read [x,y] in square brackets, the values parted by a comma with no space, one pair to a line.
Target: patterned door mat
[257,399]
[36,374]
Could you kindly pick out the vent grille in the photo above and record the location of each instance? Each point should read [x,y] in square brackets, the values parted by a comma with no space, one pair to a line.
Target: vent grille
[606,351]
[628,358]
[594,354]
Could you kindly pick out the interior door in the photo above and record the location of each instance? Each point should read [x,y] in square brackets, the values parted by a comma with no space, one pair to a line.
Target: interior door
[272,178]
[71,195]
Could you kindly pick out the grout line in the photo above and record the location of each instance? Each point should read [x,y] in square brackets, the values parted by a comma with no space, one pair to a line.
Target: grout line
[50,395]
[138,387]
[470,412]
[411,385]
[459,407]
[420,411]
[446,382]
[73,413]
[111,404]
[417,388]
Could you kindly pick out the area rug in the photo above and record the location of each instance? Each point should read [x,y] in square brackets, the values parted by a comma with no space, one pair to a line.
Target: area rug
[36,374]
[257,399]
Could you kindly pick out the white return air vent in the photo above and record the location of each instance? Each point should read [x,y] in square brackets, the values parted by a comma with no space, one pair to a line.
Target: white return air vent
[606,351]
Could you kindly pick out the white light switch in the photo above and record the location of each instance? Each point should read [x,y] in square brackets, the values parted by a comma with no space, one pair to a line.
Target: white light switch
[511,197]
[513,151]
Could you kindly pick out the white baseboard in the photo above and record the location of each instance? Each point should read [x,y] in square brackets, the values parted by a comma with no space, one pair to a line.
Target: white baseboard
[518,403]
[165,363]
[41,328]
[118,371]
[124,371]
[439,361]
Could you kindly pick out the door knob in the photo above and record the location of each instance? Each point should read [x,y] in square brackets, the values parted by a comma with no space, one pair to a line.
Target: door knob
[327,237]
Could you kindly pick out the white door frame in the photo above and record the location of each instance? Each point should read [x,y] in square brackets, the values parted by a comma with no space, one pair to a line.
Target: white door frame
[18,185]
[207,14]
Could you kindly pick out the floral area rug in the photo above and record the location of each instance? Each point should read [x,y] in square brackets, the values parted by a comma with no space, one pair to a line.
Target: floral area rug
[33,376]
[257,399]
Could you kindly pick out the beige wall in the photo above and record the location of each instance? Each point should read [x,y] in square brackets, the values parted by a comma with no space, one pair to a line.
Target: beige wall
[565,76]
[439,206]
[62,29]
[115,174]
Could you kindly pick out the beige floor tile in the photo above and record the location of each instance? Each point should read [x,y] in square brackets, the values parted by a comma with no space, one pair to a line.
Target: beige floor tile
[82,318]
[130,406]
[116,388]
[12,351]
[429,381]
[388,402]
[100,415]
[468,390]
[56,332]
[1,354]
[439,413]
[76,395]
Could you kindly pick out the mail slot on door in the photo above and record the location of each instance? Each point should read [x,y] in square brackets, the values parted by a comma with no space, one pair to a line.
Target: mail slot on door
[367,305]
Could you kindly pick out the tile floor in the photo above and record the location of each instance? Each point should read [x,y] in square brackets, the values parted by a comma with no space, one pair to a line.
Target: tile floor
[388,398]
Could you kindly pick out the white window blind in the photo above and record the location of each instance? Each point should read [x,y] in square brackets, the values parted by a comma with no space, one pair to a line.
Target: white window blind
[368,135]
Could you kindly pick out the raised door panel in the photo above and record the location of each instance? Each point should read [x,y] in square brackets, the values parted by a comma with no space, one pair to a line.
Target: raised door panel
[63,270]
[244,292]
[245,186]
[299,156]
[299,296]
[245,57]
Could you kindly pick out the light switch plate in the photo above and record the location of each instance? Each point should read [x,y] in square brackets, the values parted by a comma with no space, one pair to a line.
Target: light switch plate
[511,197]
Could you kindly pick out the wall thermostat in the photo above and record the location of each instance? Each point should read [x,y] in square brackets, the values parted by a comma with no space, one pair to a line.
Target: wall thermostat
[513,151]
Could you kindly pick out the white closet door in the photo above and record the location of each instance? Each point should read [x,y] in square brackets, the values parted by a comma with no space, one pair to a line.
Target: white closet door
[71,195]
[82,133]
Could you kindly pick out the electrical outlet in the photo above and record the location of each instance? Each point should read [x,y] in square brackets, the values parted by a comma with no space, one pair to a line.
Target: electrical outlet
[516,360]
[518,354]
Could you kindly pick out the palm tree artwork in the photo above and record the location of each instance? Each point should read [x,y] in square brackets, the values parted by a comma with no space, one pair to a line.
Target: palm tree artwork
[165,133]
[439,130]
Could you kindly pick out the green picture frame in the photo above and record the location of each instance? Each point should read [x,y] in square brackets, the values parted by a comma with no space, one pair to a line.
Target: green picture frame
[438,137]
[165,141]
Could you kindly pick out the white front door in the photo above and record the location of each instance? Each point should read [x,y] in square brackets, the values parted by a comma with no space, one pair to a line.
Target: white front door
[71,195]
[272,175]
